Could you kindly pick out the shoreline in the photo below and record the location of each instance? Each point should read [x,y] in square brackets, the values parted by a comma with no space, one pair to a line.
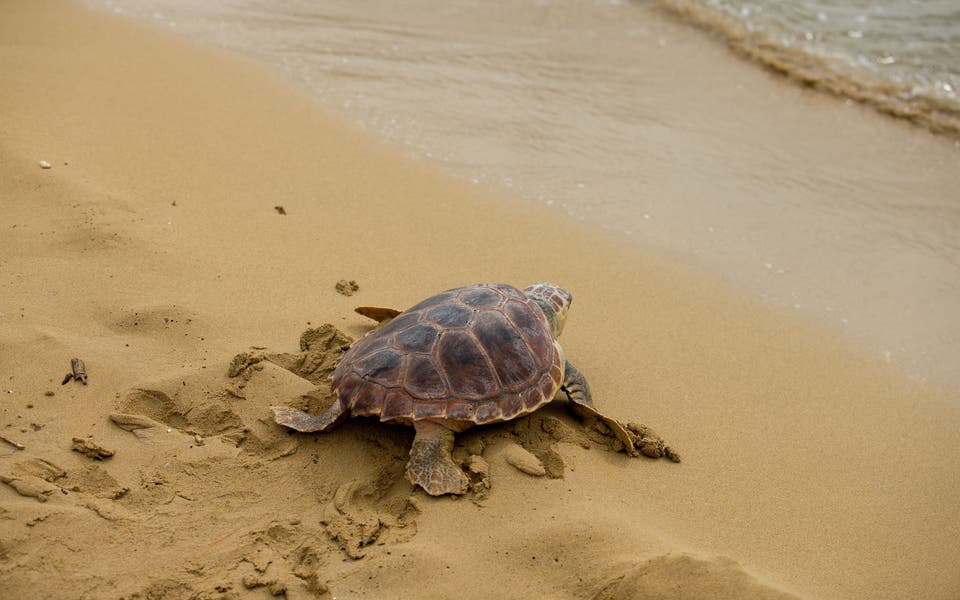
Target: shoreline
[939,116]
[152,249]
[738,182]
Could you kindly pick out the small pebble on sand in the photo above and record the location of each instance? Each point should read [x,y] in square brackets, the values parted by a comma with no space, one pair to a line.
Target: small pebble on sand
[45,165]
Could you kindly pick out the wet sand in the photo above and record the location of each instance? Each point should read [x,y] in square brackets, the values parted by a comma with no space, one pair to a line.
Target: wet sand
[624,116]
[152,249]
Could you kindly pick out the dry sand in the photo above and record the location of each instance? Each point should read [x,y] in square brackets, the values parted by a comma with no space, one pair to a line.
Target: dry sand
[152,249]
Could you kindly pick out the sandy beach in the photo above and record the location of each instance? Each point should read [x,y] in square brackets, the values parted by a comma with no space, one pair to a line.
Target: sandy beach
[152,248]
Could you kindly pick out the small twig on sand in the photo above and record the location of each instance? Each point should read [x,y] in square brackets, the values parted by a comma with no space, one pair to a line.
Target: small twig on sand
[78,371]
[16,445]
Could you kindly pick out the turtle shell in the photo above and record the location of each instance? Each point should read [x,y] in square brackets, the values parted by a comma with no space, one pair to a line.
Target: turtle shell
[476,354]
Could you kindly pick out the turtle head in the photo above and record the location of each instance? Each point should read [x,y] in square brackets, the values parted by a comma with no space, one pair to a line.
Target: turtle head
[554,301]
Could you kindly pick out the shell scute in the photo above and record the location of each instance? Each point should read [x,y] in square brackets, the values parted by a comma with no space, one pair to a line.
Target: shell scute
[383,367]
[488,412]
[346,385]
[531,398]
[425,409]
[511,292]
[461,410]
[535,332]
[465,365]
[419,338]
[450,315]
[556,372]
[399,323]
[423,379]
[369,345]
[434,300]
[396,404]
[515,364]
[368,400]
[481,297]
[548,387]
[511,405]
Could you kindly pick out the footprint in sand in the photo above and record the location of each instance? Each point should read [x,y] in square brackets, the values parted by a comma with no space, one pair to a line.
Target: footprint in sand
[32,477]
[94,480]
[92,238]
[167,321]
[686,576]
[362,514]
[189,410]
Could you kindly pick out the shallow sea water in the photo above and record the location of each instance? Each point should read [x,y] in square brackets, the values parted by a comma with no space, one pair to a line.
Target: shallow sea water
[634,121]
[915,42]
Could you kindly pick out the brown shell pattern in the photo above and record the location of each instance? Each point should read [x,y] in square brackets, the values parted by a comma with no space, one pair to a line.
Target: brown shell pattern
[480,353]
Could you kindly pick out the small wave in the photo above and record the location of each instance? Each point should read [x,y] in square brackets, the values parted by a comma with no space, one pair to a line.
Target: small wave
[899,99]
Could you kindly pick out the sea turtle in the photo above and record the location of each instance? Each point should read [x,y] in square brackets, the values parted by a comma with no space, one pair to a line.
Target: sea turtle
[468,356]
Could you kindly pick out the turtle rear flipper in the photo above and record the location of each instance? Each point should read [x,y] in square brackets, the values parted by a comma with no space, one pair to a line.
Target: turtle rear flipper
[305,422]
[431,466]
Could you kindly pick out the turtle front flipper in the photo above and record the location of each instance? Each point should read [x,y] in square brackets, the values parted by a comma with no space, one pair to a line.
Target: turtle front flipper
[575,385]
[578,391]
[305,422]
[431,466]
